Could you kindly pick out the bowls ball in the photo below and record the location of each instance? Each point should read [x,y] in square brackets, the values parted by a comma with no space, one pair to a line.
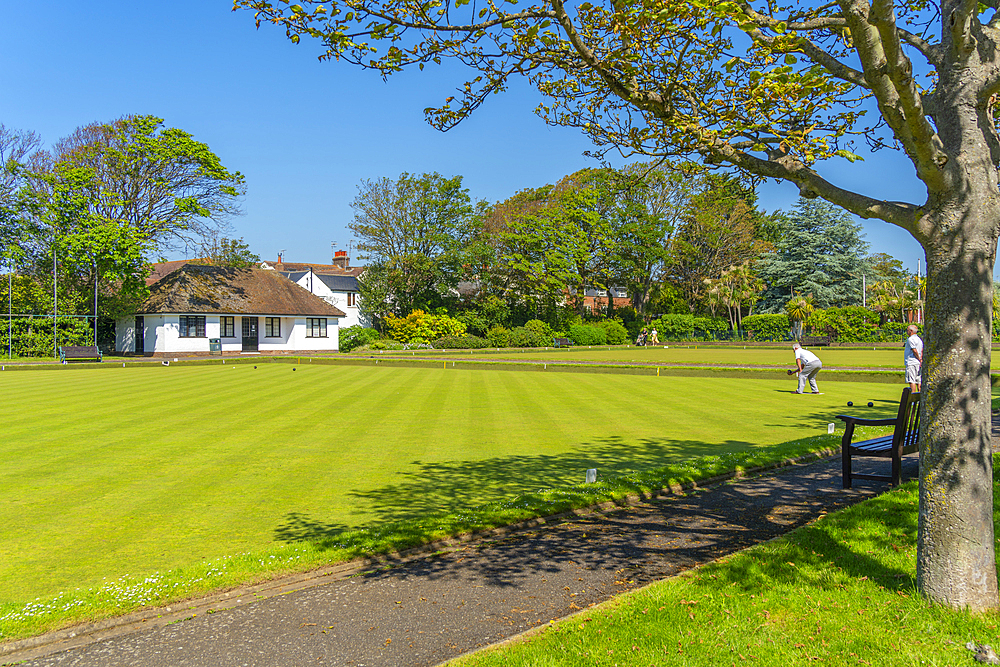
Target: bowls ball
[870,404]
[850,404]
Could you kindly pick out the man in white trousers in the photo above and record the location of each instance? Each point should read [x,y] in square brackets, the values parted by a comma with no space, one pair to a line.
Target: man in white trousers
[809,366]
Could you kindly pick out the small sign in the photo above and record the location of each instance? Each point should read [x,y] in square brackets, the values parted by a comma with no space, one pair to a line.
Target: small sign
[591,475]
[830,428]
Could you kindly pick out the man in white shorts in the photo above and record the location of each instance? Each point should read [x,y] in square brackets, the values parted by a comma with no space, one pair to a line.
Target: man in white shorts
[809,366]
[913,357]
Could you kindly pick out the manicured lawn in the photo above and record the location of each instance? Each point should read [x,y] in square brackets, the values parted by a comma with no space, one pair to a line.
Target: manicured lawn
[840,591]
[691,353]
[111,471]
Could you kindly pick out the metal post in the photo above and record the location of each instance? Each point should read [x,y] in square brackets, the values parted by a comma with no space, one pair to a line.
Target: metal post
[55,300]
[10,311]
[95,303]
[920,310]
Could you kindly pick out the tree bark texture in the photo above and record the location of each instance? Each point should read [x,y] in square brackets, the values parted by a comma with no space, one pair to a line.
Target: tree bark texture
[956,564]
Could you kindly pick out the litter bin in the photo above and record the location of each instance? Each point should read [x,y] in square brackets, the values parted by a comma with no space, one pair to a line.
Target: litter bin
[215,346]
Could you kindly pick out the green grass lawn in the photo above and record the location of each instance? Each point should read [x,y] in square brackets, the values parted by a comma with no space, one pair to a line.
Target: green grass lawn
[111,471]
[674,353]
[839,591]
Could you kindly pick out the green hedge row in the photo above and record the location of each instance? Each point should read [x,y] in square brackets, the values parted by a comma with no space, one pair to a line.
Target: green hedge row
[32,336]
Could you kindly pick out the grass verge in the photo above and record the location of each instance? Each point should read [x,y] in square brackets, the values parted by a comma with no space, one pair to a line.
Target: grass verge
[129,593]
[841,590]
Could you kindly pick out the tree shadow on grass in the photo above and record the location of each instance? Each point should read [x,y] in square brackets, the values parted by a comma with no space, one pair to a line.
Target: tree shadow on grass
[677,534]
[843,543]
[660,539]
[300,527]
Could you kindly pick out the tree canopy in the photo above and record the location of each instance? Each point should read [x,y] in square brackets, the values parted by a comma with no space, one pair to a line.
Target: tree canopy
[822,253]
[772,90]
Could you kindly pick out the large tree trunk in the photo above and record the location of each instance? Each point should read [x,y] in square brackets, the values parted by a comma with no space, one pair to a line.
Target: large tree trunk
[956,564]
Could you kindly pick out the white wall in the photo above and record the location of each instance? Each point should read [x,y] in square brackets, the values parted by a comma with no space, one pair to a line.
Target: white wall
[162,335]
[310,282]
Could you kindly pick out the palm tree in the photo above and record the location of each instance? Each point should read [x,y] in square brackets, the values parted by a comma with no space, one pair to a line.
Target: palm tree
[798,309]
[738,286]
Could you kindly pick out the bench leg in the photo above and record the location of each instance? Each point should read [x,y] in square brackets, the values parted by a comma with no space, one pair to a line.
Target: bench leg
[897,468]
[845,453]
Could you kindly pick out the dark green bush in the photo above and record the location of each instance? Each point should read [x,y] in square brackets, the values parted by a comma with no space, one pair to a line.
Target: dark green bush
[466,342]
[673,327]
[541,328]
[767,327]
[584,334]
[498,336]
[356,336]
[850,324]
[32,336]
[525,337]
[615,332]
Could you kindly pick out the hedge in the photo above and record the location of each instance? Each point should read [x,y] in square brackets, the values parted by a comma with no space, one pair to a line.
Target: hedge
[767,327]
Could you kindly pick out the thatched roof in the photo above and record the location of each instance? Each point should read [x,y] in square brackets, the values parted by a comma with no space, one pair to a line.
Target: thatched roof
[197,288]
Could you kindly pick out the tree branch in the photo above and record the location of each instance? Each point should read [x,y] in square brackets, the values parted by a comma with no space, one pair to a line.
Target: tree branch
[960,24]
[889,72]
[809,47]
[810,183]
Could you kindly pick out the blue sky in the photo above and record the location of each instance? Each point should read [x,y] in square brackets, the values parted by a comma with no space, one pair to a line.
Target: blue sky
[305,133]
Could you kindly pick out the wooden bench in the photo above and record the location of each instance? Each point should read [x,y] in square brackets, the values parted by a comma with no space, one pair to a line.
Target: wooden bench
[562,342]
[905,433]
[80,353]
[816,341]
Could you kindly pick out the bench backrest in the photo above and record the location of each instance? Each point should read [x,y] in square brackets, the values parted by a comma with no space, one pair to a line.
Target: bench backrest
[907,430]
[80,349]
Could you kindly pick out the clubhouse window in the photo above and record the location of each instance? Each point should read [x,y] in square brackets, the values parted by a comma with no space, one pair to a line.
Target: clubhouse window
[315,327]
[192,326]
[352,298]
[228,327]
[272,327]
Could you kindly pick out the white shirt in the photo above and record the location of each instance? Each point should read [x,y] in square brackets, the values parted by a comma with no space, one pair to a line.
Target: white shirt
[806,356]
[914,346]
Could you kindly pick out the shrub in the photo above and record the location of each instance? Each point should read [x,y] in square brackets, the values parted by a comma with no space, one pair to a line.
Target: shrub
[420,327]
[498,337]
[466,342]
[355,336]
[584,334]
[542,329]
[767,327]
[850,324]
[383,344]
[32,336]
[525,337]
[674,327]
[710,328]
[474,321]
[614,331]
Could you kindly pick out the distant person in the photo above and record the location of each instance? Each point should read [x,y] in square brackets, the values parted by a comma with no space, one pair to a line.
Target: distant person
[913,357]
[809,366]
[653,339]
[641,338]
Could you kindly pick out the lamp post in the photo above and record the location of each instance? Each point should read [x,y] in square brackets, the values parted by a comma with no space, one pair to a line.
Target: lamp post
[55,299]
[10,313]
[95,299]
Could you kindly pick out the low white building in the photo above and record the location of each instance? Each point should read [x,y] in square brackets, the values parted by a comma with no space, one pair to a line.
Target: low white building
[249,311]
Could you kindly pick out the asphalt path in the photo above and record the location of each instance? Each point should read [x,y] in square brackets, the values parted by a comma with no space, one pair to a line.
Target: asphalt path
[428,609]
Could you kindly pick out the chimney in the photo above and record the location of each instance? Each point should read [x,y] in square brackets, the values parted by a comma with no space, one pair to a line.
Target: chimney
[279,258]
[340,259]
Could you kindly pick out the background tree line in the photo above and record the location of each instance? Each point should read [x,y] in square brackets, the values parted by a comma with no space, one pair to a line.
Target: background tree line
[677,240]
